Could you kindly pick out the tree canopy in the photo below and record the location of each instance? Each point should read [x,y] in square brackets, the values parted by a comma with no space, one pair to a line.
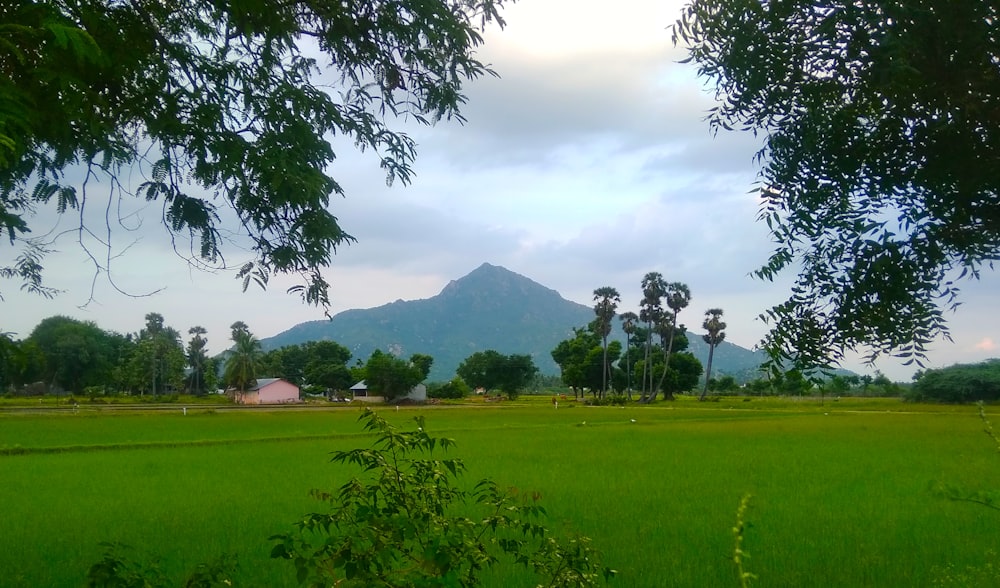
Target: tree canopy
[225,110]
[879,177]
[492,370]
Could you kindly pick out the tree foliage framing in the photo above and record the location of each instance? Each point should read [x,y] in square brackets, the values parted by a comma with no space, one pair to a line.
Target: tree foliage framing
[218,105]
[879,173]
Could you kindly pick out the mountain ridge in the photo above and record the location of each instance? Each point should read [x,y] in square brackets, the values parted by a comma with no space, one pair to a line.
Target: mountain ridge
[489,308]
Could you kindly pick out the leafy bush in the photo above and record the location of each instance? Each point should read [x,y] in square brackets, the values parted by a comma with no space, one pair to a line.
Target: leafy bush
[406,524]
[119,569]
[455,389]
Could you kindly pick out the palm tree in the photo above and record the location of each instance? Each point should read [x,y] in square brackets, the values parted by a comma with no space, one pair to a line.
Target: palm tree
[196,358]
[714,334]
[241,369]
[629,320]
[607,299]
[650,309]
[678,296]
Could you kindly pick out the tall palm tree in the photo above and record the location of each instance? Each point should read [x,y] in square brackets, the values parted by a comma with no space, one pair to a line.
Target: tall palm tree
[607,300]
[241,369]
[650,309]
[197,358]
[677,297]
[714,334]
[629,320]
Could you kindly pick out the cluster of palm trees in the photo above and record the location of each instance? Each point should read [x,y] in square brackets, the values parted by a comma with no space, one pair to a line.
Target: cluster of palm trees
[661,304]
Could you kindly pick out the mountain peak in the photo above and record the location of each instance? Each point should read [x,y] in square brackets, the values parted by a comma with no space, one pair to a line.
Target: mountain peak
[488,277]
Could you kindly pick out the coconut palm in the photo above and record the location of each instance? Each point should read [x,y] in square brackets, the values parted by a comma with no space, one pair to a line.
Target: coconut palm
[629,320]
[607,300]
[714,334]
[241,369]
[650,310]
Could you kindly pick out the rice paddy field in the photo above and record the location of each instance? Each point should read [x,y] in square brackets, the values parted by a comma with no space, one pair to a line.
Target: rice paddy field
[841,491]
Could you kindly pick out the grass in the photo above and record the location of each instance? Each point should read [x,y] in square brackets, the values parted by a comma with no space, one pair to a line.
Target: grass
[841,490]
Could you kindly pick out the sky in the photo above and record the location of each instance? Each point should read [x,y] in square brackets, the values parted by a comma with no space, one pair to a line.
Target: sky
[587,163]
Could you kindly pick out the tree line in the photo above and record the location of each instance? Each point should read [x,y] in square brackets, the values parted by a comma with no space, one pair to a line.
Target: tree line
[653,360]
[63,355]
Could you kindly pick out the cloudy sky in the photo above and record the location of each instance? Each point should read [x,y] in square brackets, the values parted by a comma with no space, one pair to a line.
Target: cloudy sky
[586,164]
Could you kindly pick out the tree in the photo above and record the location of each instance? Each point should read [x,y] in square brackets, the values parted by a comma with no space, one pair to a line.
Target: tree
[197,359]
[683,373]
[650,310]
[491,370]
[391,377]
[714,334]
[629,320]
[158,361]
[226,109]
[960,383]
[73,354]
[677,297]
[879,119]
[515,374]
[575,359]
[423,364]
[607,300]
[241,367]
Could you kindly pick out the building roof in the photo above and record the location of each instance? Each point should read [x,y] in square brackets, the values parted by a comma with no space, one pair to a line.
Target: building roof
[263,382]
[360,386]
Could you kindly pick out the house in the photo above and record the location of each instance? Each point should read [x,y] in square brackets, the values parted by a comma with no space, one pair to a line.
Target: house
[271,391]
[360,392]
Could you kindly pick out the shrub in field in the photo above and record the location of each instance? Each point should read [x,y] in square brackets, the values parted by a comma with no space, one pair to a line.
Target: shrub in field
[455,389]
[118,569]
[409,524]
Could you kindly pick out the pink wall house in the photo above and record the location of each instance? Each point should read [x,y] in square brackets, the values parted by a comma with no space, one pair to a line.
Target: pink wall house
[271,391]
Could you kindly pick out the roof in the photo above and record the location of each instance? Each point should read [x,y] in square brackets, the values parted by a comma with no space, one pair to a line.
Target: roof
[360,386]
[263,382]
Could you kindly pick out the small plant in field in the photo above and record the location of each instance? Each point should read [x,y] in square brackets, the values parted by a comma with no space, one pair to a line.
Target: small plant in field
[739,555]
[987,498]
[985,575]
[408,524]
[118,569]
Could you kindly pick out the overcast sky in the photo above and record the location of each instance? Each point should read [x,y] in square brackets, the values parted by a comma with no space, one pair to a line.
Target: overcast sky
[587,164]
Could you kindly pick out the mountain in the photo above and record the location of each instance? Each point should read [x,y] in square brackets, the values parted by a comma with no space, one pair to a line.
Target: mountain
[490,308]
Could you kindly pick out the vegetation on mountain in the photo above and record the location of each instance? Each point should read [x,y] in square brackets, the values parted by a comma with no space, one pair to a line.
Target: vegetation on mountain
[490,308]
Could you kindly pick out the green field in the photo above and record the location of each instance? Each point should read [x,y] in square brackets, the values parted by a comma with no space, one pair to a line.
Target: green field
[841,491]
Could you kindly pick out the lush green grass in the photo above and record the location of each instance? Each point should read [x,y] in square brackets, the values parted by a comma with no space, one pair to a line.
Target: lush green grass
[841,493]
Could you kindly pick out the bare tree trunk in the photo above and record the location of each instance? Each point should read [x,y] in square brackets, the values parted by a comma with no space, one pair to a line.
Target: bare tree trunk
[708,371]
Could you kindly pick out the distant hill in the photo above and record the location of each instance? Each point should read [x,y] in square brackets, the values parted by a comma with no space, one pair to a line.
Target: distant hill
[490,308]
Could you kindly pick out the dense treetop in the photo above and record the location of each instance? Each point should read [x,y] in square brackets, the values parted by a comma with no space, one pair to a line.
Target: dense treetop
[225,110]
[879,174]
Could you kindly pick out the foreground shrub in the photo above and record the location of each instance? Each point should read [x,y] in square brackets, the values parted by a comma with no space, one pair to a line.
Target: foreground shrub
[406,524]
